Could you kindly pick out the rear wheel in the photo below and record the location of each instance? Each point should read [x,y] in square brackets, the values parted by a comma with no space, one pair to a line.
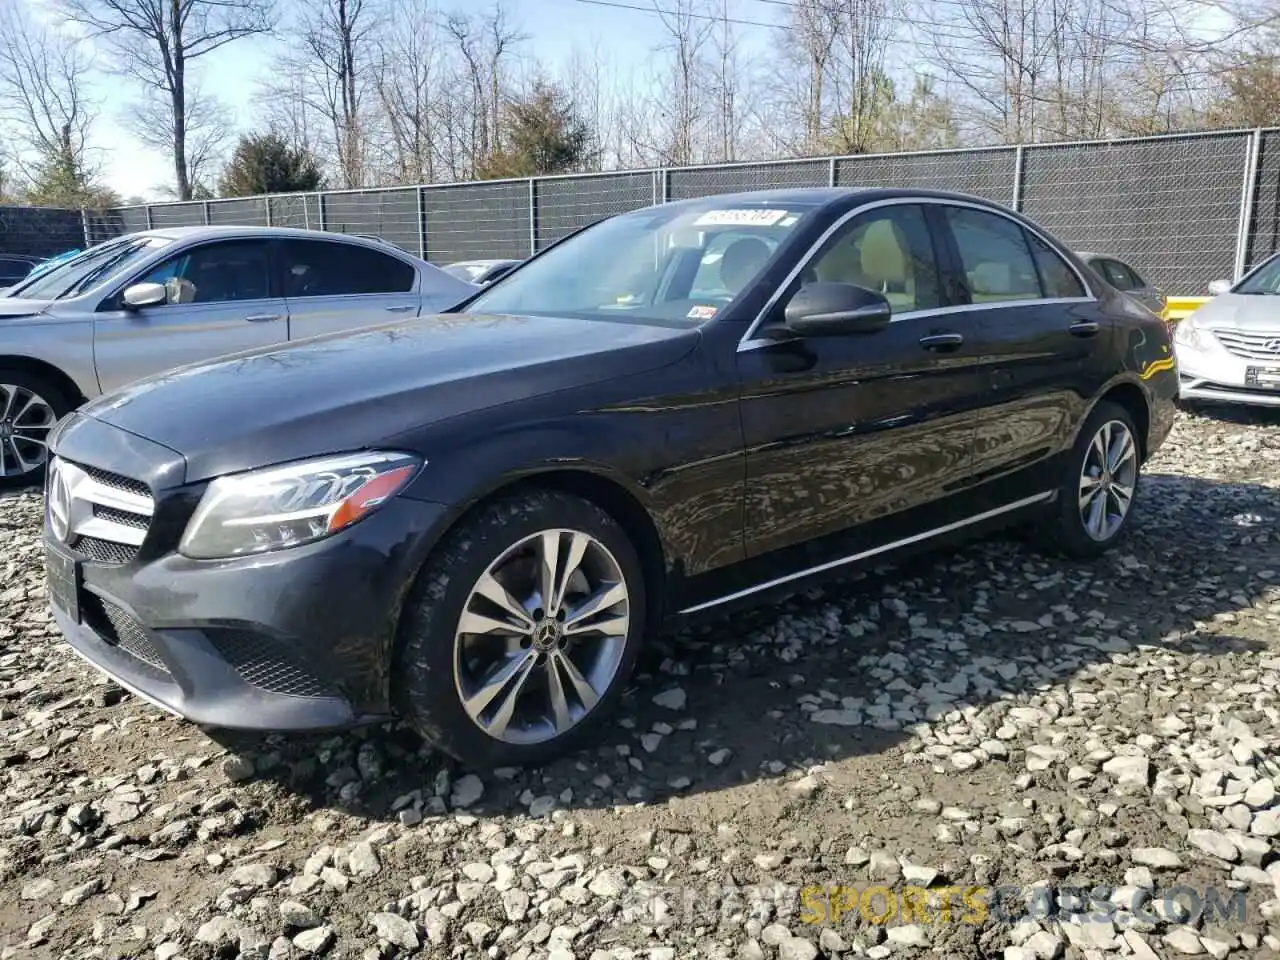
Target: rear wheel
[1096,500]
[521,631]
[30,407]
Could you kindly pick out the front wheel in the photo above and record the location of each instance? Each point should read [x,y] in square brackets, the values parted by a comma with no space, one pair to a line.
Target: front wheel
[1096,500]
[30,407]
[521,631]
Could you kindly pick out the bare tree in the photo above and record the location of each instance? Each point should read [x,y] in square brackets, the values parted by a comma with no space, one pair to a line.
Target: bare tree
[861,87]
[683,78]
[485,43]
[335,34]
[155,42]
[815,25]
[408,75]
[43,94]
[208,130]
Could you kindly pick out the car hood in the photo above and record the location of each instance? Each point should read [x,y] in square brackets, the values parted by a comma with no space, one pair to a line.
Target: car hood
[1238,311]
[18,307]
[351,390]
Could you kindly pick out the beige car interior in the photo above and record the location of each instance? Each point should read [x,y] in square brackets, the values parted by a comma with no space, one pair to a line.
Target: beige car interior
[874,257]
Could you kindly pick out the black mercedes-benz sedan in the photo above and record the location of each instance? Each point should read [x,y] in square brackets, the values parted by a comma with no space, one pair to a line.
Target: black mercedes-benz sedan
[472,521]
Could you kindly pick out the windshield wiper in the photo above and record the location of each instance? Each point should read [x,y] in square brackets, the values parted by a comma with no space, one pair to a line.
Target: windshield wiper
[96,272]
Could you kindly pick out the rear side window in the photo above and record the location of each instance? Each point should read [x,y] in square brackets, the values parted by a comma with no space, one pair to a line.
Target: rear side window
[1059,280]
[994,254]
[1117,275]
[319,268]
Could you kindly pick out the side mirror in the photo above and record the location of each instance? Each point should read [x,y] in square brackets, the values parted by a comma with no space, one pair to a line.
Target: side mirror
[833,309]
[1219,287]
[145,295]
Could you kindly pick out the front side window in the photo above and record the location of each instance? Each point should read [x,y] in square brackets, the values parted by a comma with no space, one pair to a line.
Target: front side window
[321,268]
[994,255]
[681,263]
[216,273]
[888,250]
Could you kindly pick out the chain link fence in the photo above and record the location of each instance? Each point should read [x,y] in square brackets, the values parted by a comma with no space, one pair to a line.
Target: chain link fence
[1183,209]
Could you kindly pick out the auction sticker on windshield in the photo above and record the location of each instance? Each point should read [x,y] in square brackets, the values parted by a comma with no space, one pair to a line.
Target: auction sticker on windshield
[740,218]
[702,313]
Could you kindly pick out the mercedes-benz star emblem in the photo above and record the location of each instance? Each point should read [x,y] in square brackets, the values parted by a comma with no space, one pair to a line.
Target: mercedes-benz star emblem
[59,502]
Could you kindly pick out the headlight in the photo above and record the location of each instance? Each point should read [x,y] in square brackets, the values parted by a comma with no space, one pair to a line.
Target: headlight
[1187,334]
[298,503]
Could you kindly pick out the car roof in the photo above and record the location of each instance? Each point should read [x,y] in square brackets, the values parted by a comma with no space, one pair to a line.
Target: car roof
[821,196]
[202,231]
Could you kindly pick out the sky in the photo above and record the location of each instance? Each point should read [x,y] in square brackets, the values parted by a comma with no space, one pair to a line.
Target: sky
[555,28]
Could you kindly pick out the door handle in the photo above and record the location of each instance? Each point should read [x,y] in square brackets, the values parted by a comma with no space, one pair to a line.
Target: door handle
[402,308]
[1084,328]
[941,341]
[262,317]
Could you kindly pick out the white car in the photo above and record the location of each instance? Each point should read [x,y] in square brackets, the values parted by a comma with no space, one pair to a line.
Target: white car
[1229,349]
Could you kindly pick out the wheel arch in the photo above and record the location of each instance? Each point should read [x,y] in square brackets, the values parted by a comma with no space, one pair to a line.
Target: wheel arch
[610,493]
[42,368]
[1129,394]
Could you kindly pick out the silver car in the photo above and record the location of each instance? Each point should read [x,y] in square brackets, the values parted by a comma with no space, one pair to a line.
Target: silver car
[1229,349]
[150,301]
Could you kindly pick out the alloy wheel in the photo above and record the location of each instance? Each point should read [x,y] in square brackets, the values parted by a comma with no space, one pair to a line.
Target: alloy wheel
[541,636]
[25,421]
[1107,480]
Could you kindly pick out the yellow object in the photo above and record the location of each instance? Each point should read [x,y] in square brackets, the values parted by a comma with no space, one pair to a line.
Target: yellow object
[1177,308]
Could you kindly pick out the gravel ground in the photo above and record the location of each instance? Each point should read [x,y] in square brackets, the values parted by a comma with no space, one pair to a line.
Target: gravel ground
[1029,759]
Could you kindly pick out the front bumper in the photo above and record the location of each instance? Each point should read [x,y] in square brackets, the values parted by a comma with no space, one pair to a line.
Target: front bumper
[298,639]
[1215,376]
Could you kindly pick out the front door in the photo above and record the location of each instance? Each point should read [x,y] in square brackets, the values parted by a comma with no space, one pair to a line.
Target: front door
[220,301]
[843,430]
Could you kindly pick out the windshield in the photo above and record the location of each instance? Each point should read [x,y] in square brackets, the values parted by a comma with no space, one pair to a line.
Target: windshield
[82,272]
[1266,282]
[679,263]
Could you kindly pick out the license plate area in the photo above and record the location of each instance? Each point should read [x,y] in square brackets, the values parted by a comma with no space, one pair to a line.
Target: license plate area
[64,578]
[1268,378]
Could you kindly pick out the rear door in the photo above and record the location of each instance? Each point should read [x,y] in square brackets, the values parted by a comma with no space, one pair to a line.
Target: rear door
[222,299]
[332,285]
[1043,336]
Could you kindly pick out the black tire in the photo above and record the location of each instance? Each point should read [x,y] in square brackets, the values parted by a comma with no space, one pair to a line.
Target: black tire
[1068,533]
[423,683]
[58,402]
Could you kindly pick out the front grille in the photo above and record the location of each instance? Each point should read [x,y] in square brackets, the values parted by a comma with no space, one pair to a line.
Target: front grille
[106,552]
[106,516]
[116,481]
[267,664]
[1250,346]
[121,630]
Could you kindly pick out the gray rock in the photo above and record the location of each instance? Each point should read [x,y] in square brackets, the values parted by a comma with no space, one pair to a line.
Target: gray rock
[467,791]
[1261,794]
[257,876]
[314,941]
[1158,858]
[298,915]
[79,894]
[238,769]
[363,861]
[1183,940]
[1213,843]
[796,948]
[673,699]
[396,930]
[220,932]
